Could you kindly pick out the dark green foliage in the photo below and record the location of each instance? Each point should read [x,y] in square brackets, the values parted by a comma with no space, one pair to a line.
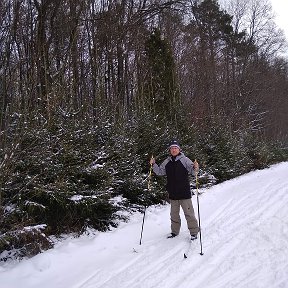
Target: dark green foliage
[95,178]
[161,86]
[214,23]
[138,194]
[278,152]
[223,157]
[227,154]
[70,183]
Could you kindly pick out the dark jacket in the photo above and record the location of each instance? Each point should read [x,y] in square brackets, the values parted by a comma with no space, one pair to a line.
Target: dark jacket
[177,171]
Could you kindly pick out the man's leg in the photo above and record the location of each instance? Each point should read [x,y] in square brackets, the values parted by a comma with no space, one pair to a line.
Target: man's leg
[175,216]
[188,210]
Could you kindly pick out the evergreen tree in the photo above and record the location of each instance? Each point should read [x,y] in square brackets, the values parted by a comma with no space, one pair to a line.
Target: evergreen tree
[161,88]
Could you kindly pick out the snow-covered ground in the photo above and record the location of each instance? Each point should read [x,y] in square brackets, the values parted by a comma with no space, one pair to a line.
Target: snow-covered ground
[245,244]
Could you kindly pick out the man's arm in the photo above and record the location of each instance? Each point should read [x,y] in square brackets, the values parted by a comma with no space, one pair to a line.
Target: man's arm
[191,167]
[159,169]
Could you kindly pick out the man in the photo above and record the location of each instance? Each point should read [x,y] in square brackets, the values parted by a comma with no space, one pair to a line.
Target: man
[177,168]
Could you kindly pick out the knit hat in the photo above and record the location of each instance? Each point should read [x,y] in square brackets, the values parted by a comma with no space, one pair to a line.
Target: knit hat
[174,143]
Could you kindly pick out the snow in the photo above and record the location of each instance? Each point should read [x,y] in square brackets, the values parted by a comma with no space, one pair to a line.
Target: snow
[244,235]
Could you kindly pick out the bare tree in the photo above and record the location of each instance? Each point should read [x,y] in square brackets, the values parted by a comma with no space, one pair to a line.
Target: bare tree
[256,18]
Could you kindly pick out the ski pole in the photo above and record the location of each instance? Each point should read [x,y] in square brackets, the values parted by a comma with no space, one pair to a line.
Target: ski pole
[143,224]
[198,206]
[149,189]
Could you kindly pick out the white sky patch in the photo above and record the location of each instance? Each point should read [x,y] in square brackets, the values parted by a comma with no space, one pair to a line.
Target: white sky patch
[280,8]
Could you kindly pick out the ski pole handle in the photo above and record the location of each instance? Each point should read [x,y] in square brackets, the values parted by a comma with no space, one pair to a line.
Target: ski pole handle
[196,167]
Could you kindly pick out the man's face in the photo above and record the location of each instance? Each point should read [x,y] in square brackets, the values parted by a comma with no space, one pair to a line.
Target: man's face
[174,150]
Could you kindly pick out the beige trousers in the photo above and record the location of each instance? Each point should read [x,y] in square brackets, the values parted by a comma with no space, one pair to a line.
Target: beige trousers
[188,210]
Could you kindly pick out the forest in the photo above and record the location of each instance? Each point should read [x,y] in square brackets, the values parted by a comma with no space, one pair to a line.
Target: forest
[91,89]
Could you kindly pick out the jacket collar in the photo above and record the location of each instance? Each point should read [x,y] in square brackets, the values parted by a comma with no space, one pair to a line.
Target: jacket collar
[179,156]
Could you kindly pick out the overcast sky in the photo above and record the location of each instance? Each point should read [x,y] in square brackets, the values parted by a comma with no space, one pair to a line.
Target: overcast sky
[280,8]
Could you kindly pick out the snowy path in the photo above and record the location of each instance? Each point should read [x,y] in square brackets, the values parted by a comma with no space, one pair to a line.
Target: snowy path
[245,244]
